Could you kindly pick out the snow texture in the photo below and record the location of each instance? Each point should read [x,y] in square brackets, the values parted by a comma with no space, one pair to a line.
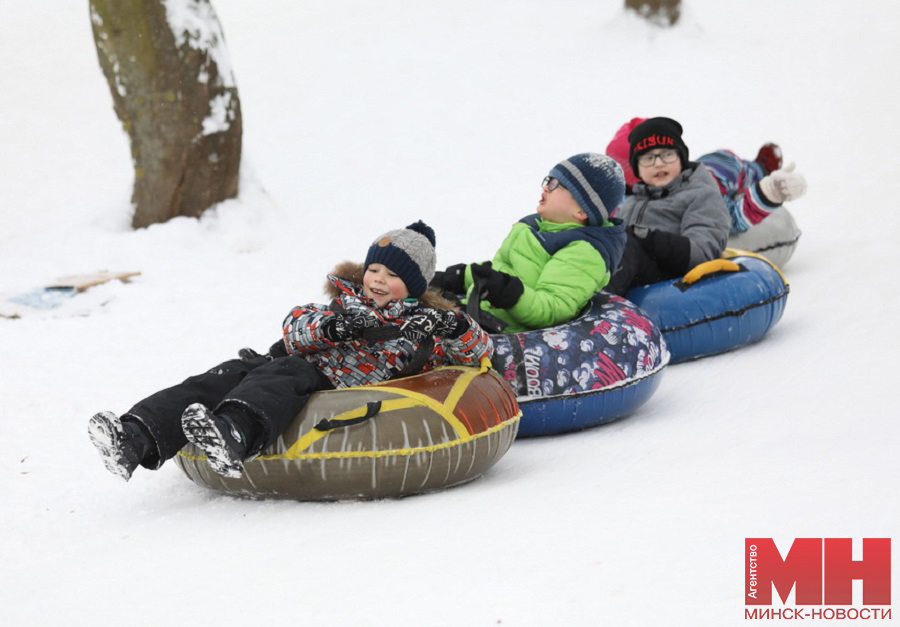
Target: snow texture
[220,115]
[195,22]
[363,117]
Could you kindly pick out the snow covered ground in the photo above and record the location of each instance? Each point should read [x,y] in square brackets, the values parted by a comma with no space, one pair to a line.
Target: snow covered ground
[359,117]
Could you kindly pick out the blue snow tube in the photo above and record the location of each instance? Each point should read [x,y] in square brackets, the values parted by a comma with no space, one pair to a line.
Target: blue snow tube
[719,306]
[600,366]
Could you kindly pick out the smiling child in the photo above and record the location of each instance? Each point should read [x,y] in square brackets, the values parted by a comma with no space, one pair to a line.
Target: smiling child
[382,323]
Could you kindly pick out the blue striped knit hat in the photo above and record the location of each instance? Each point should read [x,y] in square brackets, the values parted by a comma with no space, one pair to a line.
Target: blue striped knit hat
[407,252]
[595,181]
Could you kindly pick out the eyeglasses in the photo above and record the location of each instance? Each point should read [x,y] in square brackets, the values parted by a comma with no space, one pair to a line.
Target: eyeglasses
[666,156]
[549,183]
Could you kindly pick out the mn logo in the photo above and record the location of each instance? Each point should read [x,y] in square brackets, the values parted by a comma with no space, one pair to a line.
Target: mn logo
[819,570]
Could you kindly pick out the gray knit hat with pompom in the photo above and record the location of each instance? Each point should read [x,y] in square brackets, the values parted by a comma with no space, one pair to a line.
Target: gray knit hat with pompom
[409,253]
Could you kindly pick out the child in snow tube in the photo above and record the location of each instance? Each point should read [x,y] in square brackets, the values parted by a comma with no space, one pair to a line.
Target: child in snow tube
[752,190]
[382,324]
[553,262]
[675,217]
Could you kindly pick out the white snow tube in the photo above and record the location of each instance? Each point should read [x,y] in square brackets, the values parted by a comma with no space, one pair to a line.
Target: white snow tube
[775,238]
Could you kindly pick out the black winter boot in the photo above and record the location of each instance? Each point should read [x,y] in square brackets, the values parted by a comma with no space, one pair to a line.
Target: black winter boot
[122,444]
[224,443]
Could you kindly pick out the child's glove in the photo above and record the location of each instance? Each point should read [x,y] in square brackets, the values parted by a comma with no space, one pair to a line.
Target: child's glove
[452,280]
[500,289]
[670,251]
[433,322]
[340,327]
[783,185]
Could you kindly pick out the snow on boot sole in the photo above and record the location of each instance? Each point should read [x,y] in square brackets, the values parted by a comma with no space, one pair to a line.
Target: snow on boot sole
[202,430]
[108,435]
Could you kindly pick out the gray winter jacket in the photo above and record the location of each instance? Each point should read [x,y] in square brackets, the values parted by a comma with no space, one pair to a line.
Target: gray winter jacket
[691,206]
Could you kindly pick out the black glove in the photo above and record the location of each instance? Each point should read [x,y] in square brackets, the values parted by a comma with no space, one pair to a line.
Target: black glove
[420,326]
[452,280]
[433,322]
[500,289]
[340,327]
[670,251]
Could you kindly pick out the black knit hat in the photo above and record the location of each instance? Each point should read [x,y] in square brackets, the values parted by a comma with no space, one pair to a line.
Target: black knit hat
[409,253]
[656,133]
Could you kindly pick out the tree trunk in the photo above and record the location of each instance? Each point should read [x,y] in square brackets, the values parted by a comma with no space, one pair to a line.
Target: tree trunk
[659,12]
[173,89]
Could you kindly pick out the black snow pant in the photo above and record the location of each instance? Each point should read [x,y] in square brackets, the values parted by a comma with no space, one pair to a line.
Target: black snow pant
[636,268]
[273,391]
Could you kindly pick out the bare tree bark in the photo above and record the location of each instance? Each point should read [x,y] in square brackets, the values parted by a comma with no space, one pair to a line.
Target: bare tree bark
[174,92]
[659,12]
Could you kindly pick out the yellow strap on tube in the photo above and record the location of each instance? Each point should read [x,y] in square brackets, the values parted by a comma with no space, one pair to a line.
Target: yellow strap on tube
[410,399]
[709,267]
[728,253]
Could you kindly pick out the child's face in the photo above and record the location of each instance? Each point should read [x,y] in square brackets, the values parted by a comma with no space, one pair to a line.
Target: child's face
[558,205]
[659,174]
[382,285]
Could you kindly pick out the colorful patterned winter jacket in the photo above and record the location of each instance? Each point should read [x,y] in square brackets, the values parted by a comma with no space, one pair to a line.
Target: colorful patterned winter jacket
[738,181]
[362,362]
[561,267]
[691,206]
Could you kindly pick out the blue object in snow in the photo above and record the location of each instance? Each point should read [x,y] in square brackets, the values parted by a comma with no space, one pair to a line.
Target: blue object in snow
[718,306]
[600,366]
[45,297]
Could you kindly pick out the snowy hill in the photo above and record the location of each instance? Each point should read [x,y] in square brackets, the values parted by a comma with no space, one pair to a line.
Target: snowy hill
[360,117]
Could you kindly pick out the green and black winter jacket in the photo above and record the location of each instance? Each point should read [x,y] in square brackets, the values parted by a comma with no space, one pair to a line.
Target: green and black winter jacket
[561,267]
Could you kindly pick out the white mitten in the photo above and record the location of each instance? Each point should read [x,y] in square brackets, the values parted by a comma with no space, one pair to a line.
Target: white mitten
[783,185]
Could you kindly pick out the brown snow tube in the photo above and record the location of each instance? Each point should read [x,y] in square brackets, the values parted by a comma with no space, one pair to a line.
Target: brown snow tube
[405,436]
